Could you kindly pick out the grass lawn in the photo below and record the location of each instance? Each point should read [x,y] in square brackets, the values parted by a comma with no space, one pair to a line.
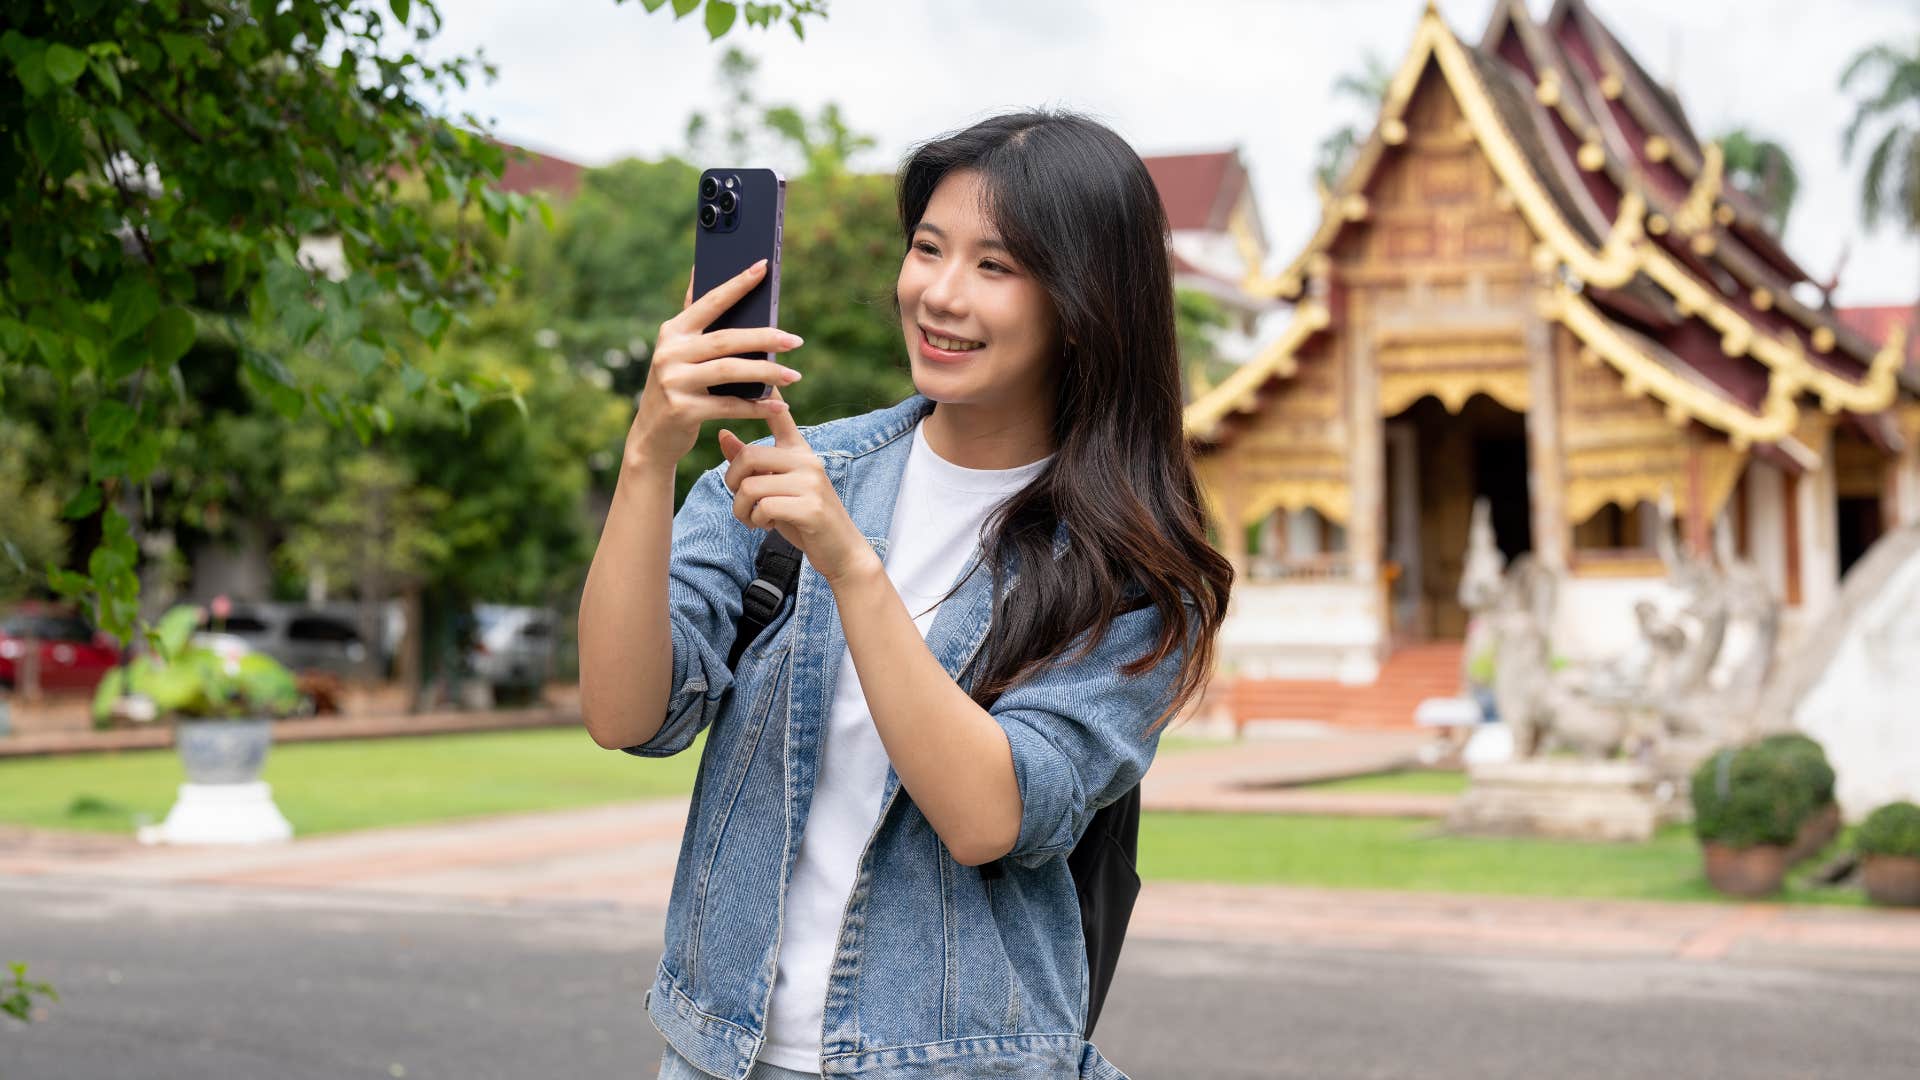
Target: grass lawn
[338,786]
[325,787]
[1410,782]
[1412,854]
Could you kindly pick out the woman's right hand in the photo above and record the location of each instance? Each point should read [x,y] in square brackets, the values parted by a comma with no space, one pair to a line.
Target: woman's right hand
[687,359]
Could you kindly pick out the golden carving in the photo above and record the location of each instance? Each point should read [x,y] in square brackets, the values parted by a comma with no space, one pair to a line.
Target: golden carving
[1548,90]
[1724,214]
[1393,131]
[1703,244]
[1763,299]
[1236,391]
[1504,384]
[1610,86]
[1592,157]
[1657,224]
[1657,148]
[1696,211]
[1639,371]
[1823,339]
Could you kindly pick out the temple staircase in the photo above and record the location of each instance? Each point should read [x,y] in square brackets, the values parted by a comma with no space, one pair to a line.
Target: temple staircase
[1410,675]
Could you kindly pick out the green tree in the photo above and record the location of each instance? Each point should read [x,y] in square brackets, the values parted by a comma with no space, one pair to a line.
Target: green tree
[1764,170]
[162,165]
[32,533]
[1888,113]
[1365,89]
[1197,318]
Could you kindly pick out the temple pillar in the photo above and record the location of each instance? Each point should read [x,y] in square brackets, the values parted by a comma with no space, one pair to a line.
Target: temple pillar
[1546,464]
[1816,498]
[1367,455]
[1905,502]
[1233,529]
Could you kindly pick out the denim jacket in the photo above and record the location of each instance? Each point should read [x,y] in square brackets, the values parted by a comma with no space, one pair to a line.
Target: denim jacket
[938,971]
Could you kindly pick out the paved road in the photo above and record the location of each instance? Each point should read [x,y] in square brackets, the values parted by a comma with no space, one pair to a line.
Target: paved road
[171,979]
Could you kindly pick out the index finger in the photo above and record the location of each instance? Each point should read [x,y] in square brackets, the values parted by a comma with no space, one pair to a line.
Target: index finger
[721,297]
[786,433]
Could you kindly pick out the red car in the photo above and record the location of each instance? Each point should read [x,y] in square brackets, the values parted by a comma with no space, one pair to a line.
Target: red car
[73,655]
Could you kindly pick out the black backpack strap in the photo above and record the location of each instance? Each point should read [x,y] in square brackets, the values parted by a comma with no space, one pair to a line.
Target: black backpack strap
[776,568]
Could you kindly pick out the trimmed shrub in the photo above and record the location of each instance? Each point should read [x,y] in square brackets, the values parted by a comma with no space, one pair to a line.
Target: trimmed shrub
[1750,796]
[1810,763]
[1893,829]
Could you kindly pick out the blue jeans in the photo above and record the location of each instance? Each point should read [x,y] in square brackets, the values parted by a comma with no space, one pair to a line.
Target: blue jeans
[675,1067]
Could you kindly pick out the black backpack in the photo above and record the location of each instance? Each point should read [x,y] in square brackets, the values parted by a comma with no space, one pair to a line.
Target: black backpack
[1102,862]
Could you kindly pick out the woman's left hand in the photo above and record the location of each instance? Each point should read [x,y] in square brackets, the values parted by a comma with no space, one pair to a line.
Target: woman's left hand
[785,487]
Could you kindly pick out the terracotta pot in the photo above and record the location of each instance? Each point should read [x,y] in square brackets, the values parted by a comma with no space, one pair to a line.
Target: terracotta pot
[1816,832]
[1893,880]
[1746,872]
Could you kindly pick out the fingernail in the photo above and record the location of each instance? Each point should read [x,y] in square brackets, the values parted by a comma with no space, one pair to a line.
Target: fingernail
[791,374]
[794,340]
[759,266]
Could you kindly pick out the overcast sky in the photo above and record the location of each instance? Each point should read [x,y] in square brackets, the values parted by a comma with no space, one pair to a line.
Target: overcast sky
[596,81]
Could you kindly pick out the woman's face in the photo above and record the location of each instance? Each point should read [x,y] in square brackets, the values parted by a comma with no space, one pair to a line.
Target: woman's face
[958,282]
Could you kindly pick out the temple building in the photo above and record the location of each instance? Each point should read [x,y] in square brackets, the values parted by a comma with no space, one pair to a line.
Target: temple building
[1535,286]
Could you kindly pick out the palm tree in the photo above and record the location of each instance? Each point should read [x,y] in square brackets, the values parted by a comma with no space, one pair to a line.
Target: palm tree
[1366,87]
[1890,188]
[1763,169]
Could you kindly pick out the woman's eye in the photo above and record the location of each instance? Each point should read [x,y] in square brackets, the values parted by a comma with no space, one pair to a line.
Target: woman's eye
[926,247]
[994,266]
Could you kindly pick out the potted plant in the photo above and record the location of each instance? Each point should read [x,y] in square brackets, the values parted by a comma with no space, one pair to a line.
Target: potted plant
[1810,765]
[222,707]
[1748,806]
[1889,846]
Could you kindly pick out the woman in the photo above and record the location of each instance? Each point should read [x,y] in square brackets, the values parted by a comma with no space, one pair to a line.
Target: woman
[821,923]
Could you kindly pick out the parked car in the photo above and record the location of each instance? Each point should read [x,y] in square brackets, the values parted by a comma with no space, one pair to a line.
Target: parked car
[513,648]
[302,637]
[73,655]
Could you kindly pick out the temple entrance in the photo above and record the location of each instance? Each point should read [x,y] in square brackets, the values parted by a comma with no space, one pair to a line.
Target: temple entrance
[1437,464]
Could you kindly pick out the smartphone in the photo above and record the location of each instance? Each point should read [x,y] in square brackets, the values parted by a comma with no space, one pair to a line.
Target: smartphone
[741,212]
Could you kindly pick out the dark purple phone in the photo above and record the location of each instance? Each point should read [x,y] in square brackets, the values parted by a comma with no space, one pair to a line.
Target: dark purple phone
[741,212]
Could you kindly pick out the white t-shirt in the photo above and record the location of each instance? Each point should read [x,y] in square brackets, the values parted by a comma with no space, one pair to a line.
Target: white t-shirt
[937,520]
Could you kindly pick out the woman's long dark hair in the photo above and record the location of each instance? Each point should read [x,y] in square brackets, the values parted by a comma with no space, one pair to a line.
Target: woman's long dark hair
[1076,207]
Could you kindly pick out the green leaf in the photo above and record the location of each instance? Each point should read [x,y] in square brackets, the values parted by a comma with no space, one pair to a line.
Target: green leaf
[681,8]
[465,397]
[365,358]
[413,380]
[401,9]
[383,418]
[652,5]
[171,335]
[175,627]
[65,63]
[109,422]
[429,322]
[83,504]
[30,67]
[132,306]
[720,15]
[104,71]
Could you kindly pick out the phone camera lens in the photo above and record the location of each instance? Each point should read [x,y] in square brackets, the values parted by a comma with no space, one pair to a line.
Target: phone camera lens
[709,187]
[708,216]
[728,202]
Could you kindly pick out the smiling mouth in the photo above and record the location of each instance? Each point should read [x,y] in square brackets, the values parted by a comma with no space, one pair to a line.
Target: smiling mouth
[949,344]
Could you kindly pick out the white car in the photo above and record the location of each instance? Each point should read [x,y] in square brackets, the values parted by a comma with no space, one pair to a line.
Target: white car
[513,649]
